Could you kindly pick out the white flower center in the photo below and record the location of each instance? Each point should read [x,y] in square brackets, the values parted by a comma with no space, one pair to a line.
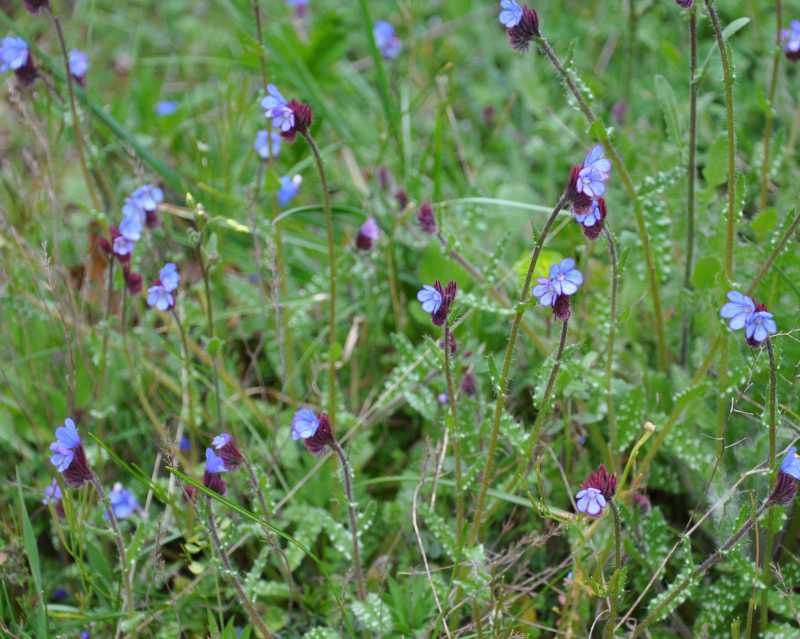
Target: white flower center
[561,277]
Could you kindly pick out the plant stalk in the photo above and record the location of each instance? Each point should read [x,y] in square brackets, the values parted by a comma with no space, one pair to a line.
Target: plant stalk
[351,512]
[766,575]
[451,392]
[771,104]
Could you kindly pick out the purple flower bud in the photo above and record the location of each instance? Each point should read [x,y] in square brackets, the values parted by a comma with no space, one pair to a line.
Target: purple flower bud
[368,233]
[784,491]
[401,197]
[323,437]
[603,481]
[386,40]
[303,117]
[468,385]
[34,7]
[790,40]
[426,220]
[212,481]
[642,503]
[520,36]
[230,455]
[685,4]
[68,457]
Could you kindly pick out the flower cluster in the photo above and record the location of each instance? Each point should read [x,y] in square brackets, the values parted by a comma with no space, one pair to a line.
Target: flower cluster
[436,300]
[585,188]
[790,41]
[595,492]
[290,118]
[754,318]
[316,432]
[69,457]
[522,24]
[386,40]
[230,455]
[15,56]
[160,293]
[555,290]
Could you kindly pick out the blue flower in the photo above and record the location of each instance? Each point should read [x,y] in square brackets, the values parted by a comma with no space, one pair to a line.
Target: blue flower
[370,229]
[67,439]
[565,277]
[592,217]
[431,299]
[130,232]
[123,503]
[289,188]
[545,291]
[791,463]
[52,493]
[169,277]
[276,107]
[739,310]
[167,107]
[595,160]
[760,326]
[160,297]
[78,63]
[386,40]
[185,444]
[591,501]
[214,463]
[443,398]
[304,424]
[263,138]
[790,39]
[13,54]
[592,182]
[220,440]
[511,13]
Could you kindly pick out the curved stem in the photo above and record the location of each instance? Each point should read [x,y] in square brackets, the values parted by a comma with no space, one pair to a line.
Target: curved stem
[770,534]
[231,573]
[351,512]
[75,120]
[728,81]
[612,251]
[630,187]
[123,559]
[691,175]
[451,392]
[502,383]
[612,614]
[771,110]
[332,264]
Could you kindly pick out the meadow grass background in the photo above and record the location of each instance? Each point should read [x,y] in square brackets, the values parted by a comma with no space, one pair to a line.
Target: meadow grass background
[486,135]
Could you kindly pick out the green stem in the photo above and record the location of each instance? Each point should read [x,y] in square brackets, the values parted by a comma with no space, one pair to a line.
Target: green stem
[630,187]
[104,347]
[612,614]
[231,574]
[728,81]
[211,334]
[691,175]
[75,121]
[332,263]
[770,534]
[262,63]
[123,559]
[713,559]
[612,251]
[351,512]
[502,383]
[771,106]
[451,392]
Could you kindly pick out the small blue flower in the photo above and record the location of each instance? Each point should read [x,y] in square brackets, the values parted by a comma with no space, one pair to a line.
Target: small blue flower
[52,493]
[790,39]
[220,440]
[591,182]
[370,229]
[592,217]
[263,138]
[78,63]
[13,54]
[214,463]
[595,160]
[160,297]
[167,107]
[431,299]
[443,398]
[791,463]
[130,232]
[545,291]
[591,501]
[185,444]
[276,107]
[304,424]
[148,197]
[85,634]
[511,13]
[67,438]
[169,277]
[123,503]
[389,45]
[739,310]
[289,188]
[565,277]
[760,326]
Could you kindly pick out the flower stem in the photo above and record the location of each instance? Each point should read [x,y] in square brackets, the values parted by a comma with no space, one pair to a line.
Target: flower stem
[712,559]
[770,534]
[351,512]
[75,121]
[691,174]
[630,187]
[451,392]
[211,334]
[612,614]
[502,383]
[262,63]
[123,559]
[771,110]
[231,573]
[612,251]
[728,81]
[332,265]
[104,346]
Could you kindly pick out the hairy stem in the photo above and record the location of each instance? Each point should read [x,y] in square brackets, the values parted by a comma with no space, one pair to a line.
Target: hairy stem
[766,576]
[612,252]
[332,293]
[451,392]
[351,512]
[612,614]
[231,574]
[502,383]
[771,104]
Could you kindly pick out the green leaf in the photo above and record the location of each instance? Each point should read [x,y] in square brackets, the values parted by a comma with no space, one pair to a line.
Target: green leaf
[706,270]
[727,32]
[716,170]
[669,105]
[32,551]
